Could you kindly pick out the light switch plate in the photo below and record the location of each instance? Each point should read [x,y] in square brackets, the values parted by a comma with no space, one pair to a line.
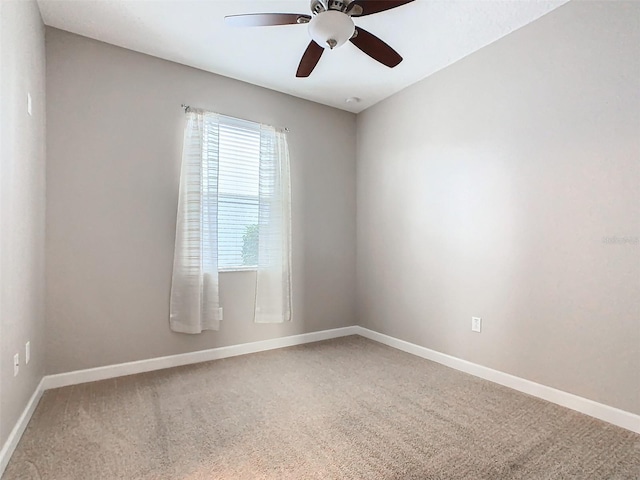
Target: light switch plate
[29,104]
[476,324]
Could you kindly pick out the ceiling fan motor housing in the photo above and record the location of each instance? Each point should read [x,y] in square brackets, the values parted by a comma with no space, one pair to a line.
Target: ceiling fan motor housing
[319,6]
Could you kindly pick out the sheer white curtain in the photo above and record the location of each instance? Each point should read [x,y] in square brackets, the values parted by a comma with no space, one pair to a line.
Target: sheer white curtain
[273,277]
[195,304]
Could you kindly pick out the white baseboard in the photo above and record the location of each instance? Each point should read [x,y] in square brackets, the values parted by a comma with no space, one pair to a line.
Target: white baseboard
[600,411]
[15,435]
[159,363]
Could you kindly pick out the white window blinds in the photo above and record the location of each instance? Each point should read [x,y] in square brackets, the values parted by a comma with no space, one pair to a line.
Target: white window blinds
[238,193]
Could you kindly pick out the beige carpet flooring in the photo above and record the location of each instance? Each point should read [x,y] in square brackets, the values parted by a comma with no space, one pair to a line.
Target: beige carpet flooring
[346,408]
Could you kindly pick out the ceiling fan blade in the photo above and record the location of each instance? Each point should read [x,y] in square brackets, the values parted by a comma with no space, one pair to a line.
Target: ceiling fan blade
[266,19]
[309,59]
[376,48]
[374,6]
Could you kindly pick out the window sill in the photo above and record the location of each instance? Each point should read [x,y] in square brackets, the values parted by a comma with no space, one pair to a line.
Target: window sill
[237,269]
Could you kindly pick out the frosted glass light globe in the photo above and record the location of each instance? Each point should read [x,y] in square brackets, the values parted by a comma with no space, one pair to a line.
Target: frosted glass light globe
[331,29]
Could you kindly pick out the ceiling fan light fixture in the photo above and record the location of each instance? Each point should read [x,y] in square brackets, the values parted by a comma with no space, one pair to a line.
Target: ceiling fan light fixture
[331,29]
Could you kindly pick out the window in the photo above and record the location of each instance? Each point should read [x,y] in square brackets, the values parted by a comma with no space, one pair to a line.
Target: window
[239,160]
[234,213]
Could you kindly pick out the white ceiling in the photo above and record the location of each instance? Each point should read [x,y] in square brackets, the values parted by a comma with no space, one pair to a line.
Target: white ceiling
[429,34]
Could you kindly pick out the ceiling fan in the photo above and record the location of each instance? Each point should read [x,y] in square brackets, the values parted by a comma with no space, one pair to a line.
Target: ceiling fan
[330,26]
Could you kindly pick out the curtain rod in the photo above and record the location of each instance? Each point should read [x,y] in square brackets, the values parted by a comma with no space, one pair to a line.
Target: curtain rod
[186,108]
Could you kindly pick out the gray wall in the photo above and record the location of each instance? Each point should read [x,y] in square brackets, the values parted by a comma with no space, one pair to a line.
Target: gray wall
[486,190]
[114,146]
[22,205]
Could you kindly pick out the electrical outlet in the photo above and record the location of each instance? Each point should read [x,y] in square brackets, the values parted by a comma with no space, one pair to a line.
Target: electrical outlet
[27,352]
[476,324]
[16,364]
